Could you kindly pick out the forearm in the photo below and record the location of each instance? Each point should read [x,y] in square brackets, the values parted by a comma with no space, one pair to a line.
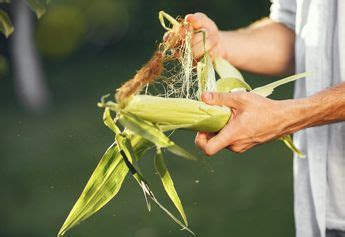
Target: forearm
[265,47]
[325,107]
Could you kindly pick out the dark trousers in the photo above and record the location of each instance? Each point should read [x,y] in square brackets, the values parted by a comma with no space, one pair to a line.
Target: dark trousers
[335,233]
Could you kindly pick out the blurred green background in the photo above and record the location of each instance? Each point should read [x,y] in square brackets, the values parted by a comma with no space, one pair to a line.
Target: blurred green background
[88,48]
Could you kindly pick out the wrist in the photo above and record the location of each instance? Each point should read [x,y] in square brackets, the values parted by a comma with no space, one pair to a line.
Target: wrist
[299,114]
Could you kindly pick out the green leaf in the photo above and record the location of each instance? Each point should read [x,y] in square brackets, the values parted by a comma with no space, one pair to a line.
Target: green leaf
[168,184]
[149,194]
[6,26]
[177,150]
[109,121]
[38,7]
[162,16]
[104,183]
[150,132]
[269,88]
[5,1]
[206,75]
[225,70]
[129,156]
[145,129]
[228,84]
[289,143]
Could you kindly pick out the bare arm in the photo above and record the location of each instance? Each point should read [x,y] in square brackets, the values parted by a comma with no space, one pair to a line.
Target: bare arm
[265,47]
[327,106]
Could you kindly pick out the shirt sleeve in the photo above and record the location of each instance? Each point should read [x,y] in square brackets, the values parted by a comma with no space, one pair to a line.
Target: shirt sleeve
[284,11]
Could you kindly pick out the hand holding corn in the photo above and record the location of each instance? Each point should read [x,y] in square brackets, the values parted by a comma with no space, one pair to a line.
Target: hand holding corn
[255,120]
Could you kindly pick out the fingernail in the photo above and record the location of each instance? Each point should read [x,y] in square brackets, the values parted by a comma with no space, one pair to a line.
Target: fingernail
[207,96]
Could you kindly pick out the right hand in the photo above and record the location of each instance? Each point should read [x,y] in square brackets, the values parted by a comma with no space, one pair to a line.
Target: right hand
[199,21]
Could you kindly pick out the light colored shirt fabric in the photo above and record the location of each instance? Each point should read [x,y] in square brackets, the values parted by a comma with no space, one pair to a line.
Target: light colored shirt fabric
[319,180]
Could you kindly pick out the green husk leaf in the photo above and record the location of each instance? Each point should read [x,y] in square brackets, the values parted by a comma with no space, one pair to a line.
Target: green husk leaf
[128,156]
[177,150]
[153,134]
[148,193]
[6,26]
[230,83]
[92,194]
[225,70]
[104,183]
[109,122]
[184,227]
[168,184]
[38,7]
[269,88]
[145,129]
[165,16]
[289,143]
[178,113]
[206,75]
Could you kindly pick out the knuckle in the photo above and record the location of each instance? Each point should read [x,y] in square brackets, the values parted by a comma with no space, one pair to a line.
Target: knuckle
[219,97]
[242,96]
[222,98]
[239,94]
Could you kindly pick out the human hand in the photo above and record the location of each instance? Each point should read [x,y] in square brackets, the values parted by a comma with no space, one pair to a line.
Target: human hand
[200,22]
[255,120]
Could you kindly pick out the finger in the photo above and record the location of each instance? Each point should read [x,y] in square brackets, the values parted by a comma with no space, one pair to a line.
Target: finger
[197,20]
[217,143]
[214,52]
[199,49]
[197,39]
[213,98]
[202,138]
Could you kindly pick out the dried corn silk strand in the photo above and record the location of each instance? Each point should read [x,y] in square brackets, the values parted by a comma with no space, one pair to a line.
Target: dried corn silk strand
[147,74]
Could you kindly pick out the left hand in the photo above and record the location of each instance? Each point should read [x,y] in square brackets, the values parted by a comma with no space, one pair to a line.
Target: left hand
[199,21]
[255,120]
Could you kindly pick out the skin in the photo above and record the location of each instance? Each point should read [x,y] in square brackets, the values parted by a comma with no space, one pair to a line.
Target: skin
[266,47]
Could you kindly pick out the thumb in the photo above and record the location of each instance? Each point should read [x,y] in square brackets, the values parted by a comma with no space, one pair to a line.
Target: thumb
[214,98]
